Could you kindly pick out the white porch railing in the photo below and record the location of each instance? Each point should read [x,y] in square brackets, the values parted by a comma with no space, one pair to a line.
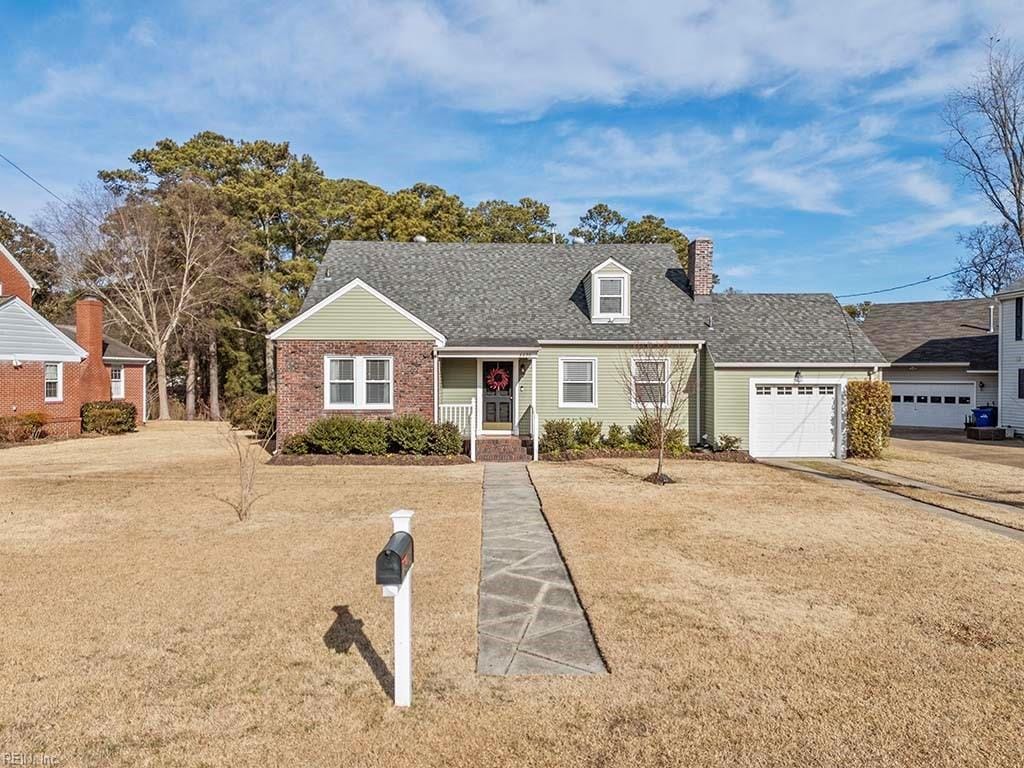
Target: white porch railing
[463,417]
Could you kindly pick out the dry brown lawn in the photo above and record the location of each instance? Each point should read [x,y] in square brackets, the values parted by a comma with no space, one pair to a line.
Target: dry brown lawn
[985,480]
[749,617]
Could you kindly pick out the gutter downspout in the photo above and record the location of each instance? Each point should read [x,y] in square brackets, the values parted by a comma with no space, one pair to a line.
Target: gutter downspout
[437,385]
[145,392]
[700,362]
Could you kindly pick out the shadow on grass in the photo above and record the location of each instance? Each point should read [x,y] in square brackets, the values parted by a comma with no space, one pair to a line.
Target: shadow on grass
[347,631]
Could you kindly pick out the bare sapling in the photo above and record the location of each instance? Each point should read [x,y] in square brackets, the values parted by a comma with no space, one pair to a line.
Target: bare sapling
[655,379]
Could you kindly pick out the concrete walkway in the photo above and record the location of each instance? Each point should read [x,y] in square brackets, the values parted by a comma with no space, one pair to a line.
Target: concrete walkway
[949,514]
[530,621]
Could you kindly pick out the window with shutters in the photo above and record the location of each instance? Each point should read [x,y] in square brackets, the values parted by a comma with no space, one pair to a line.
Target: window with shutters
[650,382]
[577,382]
[358,383]
[1018,318]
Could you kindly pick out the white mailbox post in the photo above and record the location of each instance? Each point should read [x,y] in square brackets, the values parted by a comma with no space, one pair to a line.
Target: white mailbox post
[394,572]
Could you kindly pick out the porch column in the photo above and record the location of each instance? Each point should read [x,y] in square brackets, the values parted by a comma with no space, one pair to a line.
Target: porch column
[437,385]
[534,419]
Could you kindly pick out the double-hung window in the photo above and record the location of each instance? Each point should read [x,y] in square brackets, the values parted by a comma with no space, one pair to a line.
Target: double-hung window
[611,296]
[117,382]
[53,382]
[577,382]
[359,383]
[650,382]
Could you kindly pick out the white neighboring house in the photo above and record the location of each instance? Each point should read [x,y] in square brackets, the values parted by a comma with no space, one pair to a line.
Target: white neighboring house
[943,358]
[1011,358]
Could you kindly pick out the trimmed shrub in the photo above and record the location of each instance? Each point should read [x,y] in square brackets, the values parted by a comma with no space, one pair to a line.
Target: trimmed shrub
[25,426]
[868,417]
[108,418]
[616,437]
[644,432]
[410,433]
[296,445]
[588,433]
[559,435]
[445,440]
[372,437]
[256,413]
[728,443]
[333,434]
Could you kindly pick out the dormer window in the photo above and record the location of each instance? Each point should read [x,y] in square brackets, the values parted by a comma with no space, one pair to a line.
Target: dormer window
[609,293]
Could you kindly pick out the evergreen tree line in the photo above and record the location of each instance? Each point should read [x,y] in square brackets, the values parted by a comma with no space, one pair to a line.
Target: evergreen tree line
[200,249]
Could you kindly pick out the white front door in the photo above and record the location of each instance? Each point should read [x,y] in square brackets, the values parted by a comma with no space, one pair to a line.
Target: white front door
[936,404]
[793,420]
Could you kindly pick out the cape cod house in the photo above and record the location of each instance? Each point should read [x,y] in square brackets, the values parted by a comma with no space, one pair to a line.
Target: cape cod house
[501,338]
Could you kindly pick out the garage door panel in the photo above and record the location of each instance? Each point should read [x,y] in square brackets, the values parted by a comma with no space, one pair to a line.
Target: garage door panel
[793,420]
[935,404]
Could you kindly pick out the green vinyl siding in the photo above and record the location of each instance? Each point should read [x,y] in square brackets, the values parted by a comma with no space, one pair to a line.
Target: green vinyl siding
[358,315]
[613,405]
[732,393]
[458,381]
[707,396]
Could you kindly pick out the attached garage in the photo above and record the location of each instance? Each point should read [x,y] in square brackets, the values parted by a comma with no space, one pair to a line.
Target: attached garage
[934,404]
[794,420]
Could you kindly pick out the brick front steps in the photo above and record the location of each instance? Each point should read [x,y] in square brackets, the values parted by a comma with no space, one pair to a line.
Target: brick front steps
[504,449]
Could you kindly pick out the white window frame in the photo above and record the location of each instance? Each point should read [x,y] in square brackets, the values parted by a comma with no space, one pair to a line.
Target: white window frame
[621,295]
[359,384]
[610,270]
[60,383]
[666,397]
[561,381]
[114,394]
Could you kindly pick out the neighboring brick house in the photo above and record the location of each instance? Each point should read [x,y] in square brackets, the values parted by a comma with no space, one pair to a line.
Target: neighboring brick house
[501,338]
[54,370]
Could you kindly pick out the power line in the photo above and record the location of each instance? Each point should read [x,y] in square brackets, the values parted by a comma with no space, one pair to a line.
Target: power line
[928,279]
[34,180]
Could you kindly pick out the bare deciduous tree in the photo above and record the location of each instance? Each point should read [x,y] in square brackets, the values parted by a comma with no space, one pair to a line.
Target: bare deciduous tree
[994,260]
[250,453]
[986,124]
[159,260]
[655,380]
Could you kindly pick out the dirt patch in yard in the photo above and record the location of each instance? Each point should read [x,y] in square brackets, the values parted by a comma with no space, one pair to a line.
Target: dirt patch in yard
[736,457]
[749,618]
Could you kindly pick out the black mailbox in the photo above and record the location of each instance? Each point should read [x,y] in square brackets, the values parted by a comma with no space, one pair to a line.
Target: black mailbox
[395,560]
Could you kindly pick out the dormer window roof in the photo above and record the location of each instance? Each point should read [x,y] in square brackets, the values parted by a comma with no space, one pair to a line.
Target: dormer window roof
[609,292]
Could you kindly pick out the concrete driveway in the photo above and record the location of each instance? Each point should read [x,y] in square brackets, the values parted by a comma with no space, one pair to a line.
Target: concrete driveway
[953,442]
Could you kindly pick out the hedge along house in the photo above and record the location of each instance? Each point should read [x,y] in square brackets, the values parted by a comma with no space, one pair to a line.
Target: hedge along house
[55,370]
[500,338]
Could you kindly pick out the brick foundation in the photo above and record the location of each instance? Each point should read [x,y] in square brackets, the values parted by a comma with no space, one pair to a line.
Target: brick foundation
[300,380]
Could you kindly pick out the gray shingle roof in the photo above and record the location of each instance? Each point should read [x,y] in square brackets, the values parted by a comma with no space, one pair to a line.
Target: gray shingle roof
[1014,287]
[518,294]
[935,332]
[111,347]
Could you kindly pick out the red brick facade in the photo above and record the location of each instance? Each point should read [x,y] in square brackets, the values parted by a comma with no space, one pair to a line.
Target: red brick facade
[22,391]
[300,380]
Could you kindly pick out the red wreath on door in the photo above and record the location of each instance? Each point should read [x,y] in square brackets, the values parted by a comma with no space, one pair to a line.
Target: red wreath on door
[498,379]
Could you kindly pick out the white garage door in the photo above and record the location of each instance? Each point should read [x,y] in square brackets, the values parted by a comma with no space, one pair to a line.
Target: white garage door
[931,405]
[790,420]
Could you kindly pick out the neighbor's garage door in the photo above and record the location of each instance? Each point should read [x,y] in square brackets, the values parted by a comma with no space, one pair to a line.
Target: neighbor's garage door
[793,420]
[931,405]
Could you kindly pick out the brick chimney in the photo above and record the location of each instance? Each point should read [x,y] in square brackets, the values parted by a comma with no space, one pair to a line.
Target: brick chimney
[95,381]
[14,280]
[698,266]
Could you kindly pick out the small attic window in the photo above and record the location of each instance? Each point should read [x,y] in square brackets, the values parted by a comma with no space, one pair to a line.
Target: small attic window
[610,292]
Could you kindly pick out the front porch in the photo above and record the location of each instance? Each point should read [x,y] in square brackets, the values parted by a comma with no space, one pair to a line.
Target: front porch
[491,395]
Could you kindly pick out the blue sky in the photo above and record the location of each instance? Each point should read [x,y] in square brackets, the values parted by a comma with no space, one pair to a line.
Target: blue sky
[807,141]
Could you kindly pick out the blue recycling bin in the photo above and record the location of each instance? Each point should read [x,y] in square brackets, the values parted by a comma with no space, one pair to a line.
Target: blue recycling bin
[984,417]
